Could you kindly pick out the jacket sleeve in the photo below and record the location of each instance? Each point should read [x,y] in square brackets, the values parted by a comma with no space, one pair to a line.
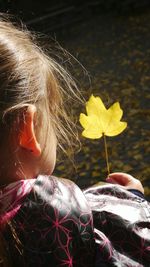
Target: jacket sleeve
[137,193]
[55,226]
[122,226]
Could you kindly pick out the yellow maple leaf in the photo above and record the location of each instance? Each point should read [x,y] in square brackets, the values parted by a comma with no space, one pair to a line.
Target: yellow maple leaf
[100,121]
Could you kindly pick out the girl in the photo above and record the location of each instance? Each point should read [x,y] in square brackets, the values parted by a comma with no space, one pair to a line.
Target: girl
[46,221]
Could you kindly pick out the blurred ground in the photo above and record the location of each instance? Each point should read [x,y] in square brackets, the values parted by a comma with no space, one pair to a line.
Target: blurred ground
[115,50]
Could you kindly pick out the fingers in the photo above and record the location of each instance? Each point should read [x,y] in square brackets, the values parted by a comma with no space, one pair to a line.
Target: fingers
[119,178]
[126,180]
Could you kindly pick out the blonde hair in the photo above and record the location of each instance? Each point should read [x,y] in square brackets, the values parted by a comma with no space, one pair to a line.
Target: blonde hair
[29,76]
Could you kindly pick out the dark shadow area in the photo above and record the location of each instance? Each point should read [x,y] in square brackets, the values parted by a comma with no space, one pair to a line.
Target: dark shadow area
[49,16]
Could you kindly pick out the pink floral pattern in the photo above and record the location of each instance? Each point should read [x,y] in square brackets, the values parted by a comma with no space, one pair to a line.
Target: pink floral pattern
[122,226]
[11,197]
[59,225]
[54,225]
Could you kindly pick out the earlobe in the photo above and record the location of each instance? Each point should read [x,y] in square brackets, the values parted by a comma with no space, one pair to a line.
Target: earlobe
[27,138]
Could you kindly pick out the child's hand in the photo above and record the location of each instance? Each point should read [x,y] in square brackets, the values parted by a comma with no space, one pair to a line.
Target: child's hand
[126,180]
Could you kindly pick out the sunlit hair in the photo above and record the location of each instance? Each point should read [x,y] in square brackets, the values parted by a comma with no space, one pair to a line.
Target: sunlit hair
[29,76]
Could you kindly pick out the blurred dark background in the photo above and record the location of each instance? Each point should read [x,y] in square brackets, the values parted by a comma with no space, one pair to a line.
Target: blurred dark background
[111,39]
[49,15]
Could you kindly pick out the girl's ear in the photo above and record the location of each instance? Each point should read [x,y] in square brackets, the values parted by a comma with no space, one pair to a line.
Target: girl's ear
[27,138]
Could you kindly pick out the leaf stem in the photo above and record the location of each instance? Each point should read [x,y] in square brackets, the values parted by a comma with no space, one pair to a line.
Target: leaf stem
[106,155]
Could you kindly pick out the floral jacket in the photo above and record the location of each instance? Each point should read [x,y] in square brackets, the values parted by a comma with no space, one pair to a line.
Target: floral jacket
[50,222]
